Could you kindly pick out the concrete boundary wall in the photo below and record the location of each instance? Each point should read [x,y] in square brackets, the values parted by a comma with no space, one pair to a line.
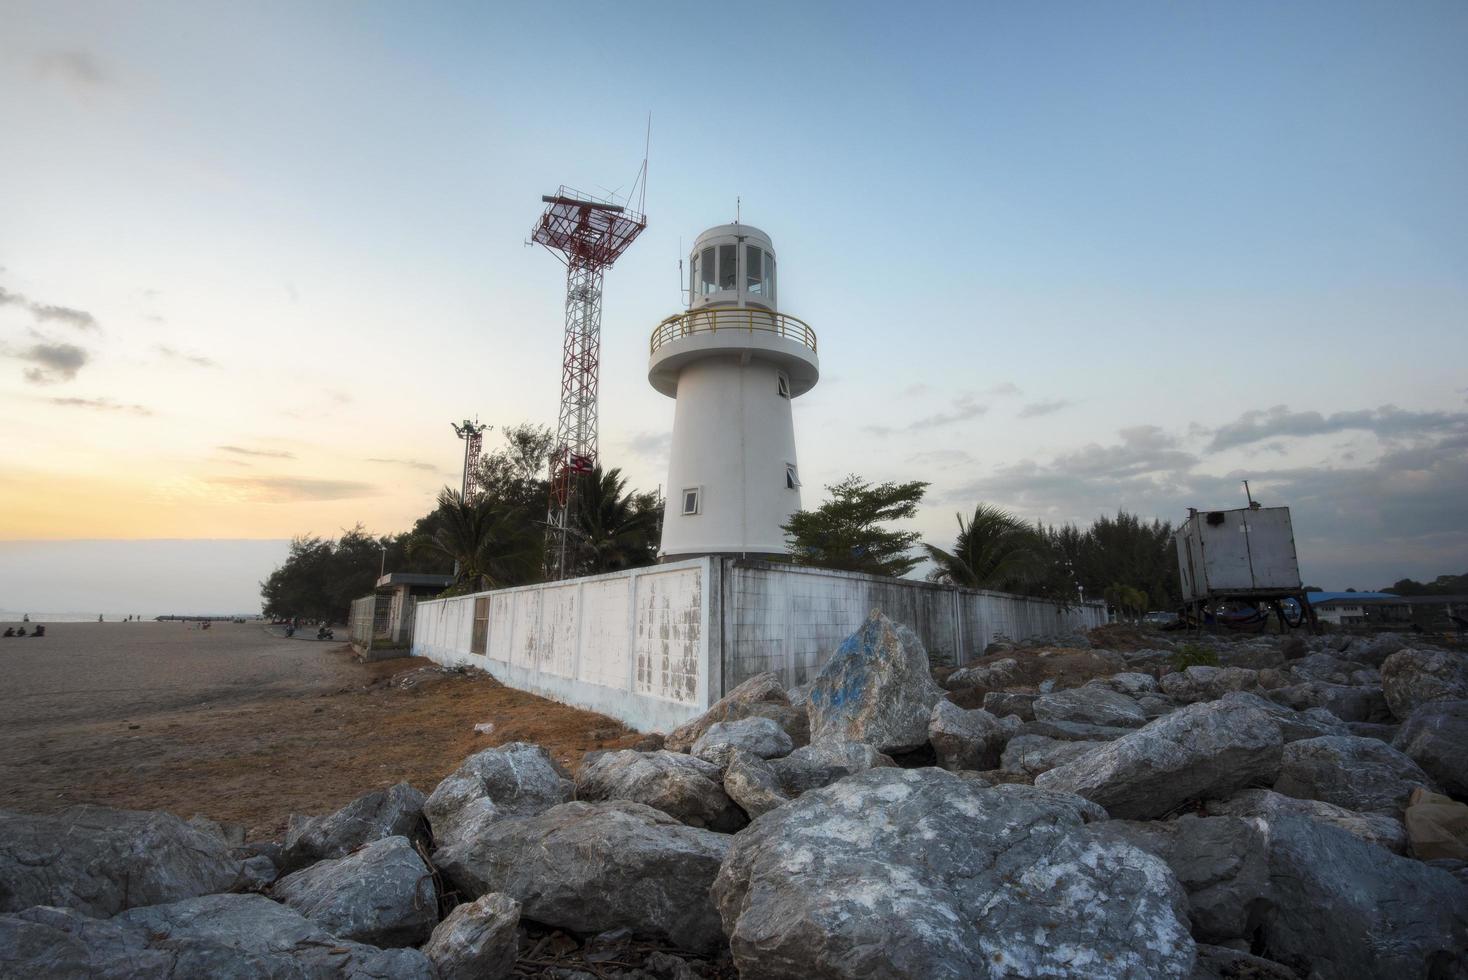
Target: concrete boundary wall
[634,645]
[653,647]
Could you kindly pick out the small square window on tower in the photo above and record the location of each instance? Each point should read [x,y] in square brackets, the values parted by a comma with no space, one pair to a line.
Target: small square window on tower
[691,499]
[792,478]
[782,384]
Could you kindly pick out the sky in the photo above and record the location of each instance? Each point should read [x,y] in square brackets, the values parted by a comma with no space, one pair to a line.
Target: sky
[1065,258]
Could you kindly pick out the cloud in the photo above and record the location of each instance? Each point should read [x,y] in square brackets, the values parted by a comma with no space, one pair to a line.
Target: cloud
[964,408]
[101,404]
[74,67]
[410,463]
[197,360]
[650,445]
[914,390]
[1387,422]
[44,312]
[943,459]
[290,489]
[1003,389]
[271,453]
[80,319]
[54,362]
[1036,409]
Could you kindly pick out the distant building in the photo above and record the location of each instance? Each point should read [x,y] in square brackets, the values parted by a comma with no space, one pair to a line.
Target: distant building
[382,623]
[1359,608]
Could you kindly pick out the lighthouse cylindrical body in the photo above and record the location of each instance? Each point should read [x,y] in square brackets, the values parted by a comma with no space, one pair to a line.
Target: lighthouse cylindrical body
[734,364]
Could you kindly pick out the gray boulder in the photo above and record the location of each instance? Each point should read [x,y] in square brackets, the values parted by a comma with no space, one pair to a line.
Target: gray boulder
[478,940]
[393,812]
[101,861]
[858,880]
[1356,773]
[1375,650]
[1435,736]
[590,867]
[1343,908]
[1202,683]
[382,895]
[753,784]
[1226,963]
[222,937]
[513,780]
[758,736]
[1074,731]
[1370,729]
[1346,702]
[1221,862]
[813,766]
[876,688]
[1293,725]
[1003,703]
[1374,828]
[762,696]
[682,786]
[998,674]
[1324,667]
[1091,706]
[1411,678]
[968,739]
[1201,751]
[1034,754]
[1130,683]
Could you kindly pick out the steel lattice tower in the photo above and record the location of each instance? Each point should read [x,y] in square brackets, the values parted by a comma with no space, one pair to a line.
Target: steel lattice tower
[587,235]
[473,435]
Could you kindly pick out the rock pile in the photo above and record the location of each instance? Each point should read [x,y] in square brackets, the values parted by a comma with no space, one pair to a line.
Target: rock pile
[1266,817]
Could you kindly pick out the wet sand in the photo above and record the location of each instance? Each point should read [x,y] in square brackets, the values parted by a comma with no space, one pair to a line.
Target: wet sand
[243,725]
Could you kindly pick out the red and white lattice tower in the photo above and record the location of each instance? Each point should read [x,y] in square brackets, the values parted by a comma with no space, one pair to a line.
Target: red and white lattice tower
[473,435]
[587,235]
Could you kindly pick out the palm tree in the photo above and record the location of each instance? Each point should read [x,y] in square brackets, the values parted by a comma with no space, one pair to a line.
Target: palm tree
[994,550]
[615,529]
[491,544]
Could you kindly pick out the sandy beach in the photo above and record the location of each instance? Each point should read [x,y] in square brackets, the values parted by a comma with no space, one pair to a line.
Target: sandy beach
[244,725]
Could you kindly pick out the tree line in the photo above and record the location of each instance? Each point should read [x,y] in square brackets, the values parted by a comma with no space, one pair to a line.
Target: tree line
[496,539]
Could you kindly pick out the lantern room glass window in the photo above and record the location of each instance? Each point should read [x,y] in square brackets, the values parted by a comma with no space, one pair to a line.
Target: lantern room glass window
[754,270]
[728,266]
[706,265]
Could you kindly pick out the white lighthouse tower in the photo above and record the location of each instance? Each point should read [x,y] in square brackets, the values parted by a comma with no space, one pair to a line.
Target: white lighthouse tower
[734,363]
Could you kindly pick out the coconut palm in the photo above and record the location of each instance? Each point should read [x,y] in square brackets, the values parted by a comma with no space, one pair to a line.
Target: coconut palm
[994,550]
[615,529]
[492,545]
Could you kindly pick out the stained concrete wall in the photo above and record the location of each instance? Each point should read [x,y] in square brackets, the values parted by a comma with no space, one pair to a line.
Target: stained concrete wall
[633,645]
[654,647]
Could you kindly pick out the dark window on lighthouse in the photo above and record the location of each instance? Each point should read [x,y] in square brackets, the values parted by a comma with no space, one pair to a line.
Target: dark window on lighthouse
[792,478]
[782,384]
[690,501]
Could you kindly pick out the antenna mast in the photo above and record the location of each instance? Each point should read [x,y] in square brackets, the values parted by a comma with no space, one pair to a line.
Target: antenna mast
[473,435]
[588,235]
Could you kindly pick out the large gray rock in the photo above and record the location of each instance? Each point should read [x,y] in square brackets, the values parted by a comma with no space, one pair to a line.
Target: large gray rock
[1375,650]
[1227,963]
[758,736]
[813,766]
[1435,736]
[968,739]
[1074,731]
[1202,683]
[1222,863]
[382,895]
[860,879]
[1411,678]
[1347,702]
[1374,828]
[997,674]
[513,780]
[1343,908]
[1034,754]
[1352,772]
[1004,703]
[876,688]
[1130,683]
[393,812]
[478,940]
[1201,751]
[1293,725]
[753,784]
[762,696]
[590,867]
[681,786]
[100,861]
[1091,706]
[1324,667]
[221,937]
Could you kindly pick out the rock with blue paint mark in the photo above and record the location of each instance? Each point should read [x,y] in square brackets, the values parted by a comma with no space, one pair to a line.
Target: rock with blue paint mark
[923,873]
[876,689]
